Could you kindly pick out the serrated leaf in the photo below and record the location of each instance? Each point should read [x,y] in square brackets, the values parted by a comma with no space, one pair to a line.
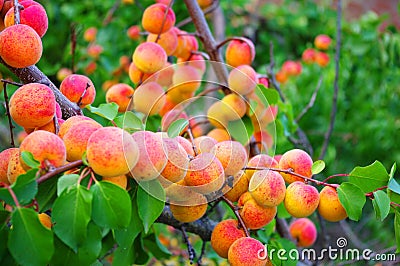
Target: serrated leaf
[125,236]
[65,182]
[71,214]
[111,205]
[29,241]
[397,229]
[317,167]
[352,198]
[267,96]
[28,159]
[107,110]
[370,177]
[130,122]
[241,130]
[150,206]
[381,203]
[177,127]
[25,189]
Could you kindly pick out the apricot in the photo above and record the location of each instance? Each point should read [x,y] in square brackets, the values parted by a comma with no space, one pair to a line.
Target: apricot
[291,68]
[247,251]
[219,134]
[158,18]
[149,57]
[186,79]
[195,60]
[178,161]
[329,206]
[137,76]
[297,161]
[90,34]
[149,98]
[179,192]
[120,94]
[168,41]
[322,42]
[78,88]
[33,14]
[133,32]
[301,200]
[281,76]
[5,157]
[32,105]
[152,156]
[231,154]
[176,96]
[205,173]
[204,144]
[267,188]
[71,121]
[120,180]
[185,143]
[240,186]
[224,234]
[50,127]
[62,73]
[77,137]
[189,213]
[321,58]
[111,151]
[308,55]
[240,52]
[254,215]
[15,168]
[304,231]
[172,116]
[94,50]
[45,219]
[260,161]
[164,77]
[235,106]
[215,116]
[45,147]
[242,79]
[20,46]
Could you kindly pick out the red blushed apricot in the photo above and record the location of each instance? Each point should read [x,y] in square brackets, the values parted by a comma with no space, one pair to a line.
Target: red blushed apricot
[71,121]
[240,52]
[186,79]
[120,180]
[168,41]
[297,161]
[329,206]
[14,167]
[133,32]
[120,94]
[149,57]
[186,45]
[224,234]
[20,46]
[322,42]
[45,147]
[33,14]
[247,251]
[242,79]
[219,134]
[185,143]
[164,77]
[33,105]
[111,151]
[281,76]
[158,18]
[178,161]
[77,137]
[301,200]
[267,188]
[231,154]
[5,157]
[90,34]
[78,88]
[260,161]
[322,59]
[240,186]
[304,231]
[204,144]
[195,60]
[149,98]
[308,56]
[291,68]
[152,156]
[137,76]
[172,116]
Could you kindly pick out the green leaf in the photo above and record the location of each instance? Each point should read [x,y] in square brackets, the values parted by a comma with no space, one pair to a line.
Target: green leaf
[352,199]
[153,123]
[25,189]
[267,96]
[29,241]
[394,186]
[71,214]
[392,171]
[253,106]
[28,159]
[370,177]
[129,121]
[397,229]
[65,182]
[106,110]
[317,167]
[159,251]
[381,203]
[177,127]
[125,236]
[282,212]
[3,217]
[140,254]
[47,194]
[241,130]
[150,206]
[265,234]
[111,205]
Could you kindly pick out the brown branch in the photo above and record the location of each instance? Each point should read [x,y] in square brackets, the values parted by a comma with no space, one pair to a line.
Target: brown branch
[236,212]
[73,46]
[32,74]
[8,114]
[111,12]
[311,102]
[208,10]
[191,251]
[336,82]
[17,9]
[164,19]
[283,229]
[208,41]
[59,170]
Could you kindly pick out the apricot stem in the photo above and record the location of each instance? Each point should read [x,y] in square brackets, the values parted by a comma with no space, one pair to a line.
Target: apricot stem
[207,11]
[236,212]
[242,39]
[8,114]
[189,131]
[59,170]
[163,21]
[14,197]
[83,94]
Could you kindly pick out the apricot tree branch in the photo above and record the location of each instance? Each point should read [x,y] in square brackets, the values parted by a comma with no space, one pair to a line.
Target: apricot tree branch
[59,170]
[111,12]
[191,251]
[163,21]
[32,74]
[189,19]
[335,83]
[236,212]
[311,102]
[8,114]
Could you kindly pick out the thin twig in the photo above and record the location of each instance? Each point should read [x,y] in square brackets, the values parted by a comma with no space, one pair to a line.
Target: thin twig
[13,196]
[59,170]
[8,115]
[242,39]
[11,82]
[164,19]
[236,212]
[271,74]
[336,82]
[191,251]
[83,94]
[283,229]
[73,46]
[207,11]
[203,251]
[311,102]
[189,131]
[17,8]
[111,12]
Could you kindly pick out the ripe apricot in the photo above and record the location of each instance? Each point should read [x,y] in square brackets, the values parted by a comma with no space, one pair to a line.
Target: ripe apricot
[224,234]
[299,162]
[120,94]
[240,52]
[231,154]
[186,79]
[240,186]
[14,167]
[158,18]
[149,98]
[304,231]
[247,251]
[149,57]
[267,188]
[219,134]
[5,157]
[329,206]
[242,79]
[301,200]
[178,161]
[78,89]
[168,41]
[71,121]
[120,180]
